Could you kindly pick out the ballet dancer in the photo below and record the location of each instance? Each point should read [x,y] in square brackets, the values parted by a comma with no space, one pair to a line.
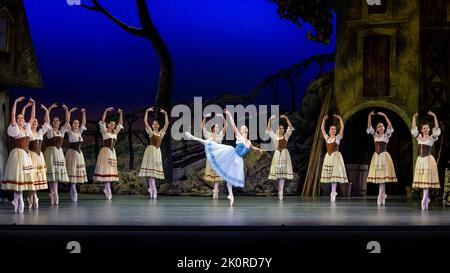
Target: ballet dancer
[333,168]
[425,172]
[54,157]
[381,169]
[228,161]
[106,166]
[281,167]
[19,171]
[216,135]
[76,166]
[37,157]
[152,164]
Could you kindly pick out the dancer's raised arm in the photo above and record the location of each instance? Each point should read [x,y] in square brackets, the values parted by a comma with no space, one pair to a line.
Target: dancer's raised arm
[233,125]
[202,125]
[369,119]
[436,123]
[83,119]
[46,115]
[33,110]
[386,118]
[106,113]
[147,126]
[322,126]
[269,123]
[287,121]
[414,124]
[24,109]
[341,122]
[225,125]
[166,121]
[14,109]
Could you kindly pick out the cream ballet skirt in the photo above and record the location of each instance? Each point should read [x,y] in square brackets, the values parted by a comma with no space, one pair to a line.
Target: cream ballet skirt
[40,171]
[152,164]
[106,166]
[19,172]
[281,166]
[76,167]
[56,164]
[381,169]
[426,173]
[333,169]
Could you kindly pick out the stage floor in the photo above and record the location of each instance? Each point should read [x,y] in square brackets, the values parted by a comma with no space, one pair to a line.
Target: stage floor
[135,210]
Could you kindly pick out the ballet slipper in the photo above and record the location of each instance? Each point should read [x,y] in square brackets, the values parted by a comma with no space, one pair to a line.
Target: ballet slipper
[231,198]
[383,201]
[215,194]
[56,199]
[106,193]
[52,198]
[30,201]
[150,193]
[21,206]
[74,196]
[426,203]
[15,203]
[35,201]
[280,195]
[333,197]
[155,194]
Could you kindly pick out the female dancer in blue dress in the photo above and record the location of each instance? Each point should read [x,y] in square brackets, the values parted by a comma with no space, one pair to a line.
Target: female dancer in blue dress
[226,160]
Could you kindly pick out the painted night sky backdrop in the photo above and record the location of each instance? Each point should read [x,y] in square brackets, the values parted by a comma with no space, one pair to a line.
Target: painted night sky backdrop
[216,45]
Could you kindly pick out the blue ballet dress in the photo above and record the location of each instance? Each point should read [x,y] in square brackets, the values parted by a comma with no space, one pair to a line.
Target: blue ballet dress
[227,161]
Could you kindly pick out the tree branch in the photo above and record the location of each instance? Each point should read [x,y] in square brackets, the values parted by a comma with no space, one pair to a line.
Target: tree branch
[99,8]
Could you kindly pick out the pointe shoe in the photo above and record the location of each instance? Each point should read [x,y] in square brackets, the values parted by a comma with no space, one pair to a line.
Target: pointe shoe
[56,199]
[74,196]
[383,201]
[21,206]
[106,194]
[150,193]
[280,195]
[52,198]
[215,194]
[155,194]
[231,198]
[422,204]
[426,204]
[378,201]
[36,201]
[16,205]
[30,201]
[333,197]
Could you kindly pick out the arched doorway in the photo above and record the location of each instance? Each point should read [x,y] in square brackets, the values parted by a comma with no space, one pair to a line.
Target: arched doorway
[357,149]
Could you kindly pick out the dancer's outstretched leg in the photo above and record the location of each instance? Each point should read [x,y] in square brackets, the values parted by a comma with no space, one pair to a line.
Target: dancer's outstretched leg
[333,192]
[425,199]
[52,192]
[230,193]
[191,137]
[280,189]
[55,192]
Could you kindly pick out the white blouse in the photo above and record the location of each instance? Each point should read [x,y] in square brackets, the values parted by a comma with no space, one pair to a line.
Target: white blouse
[106,134]
[151,133]
[275,137]
[76,136]
[436,132]
[16,133]
[337,138]
[214,137]
[60,133]
[380,138]
[41,132]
